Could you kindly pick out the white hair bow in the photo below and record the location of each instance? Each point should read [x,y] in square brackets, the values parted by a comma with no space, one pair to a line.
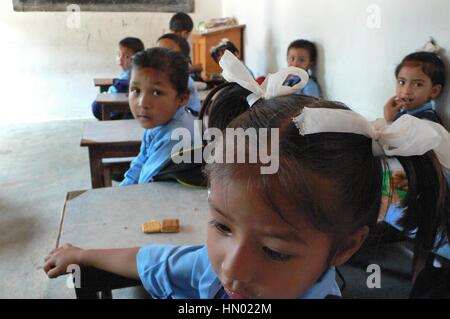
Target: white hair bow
[407,136]
[235,71]
[431,46]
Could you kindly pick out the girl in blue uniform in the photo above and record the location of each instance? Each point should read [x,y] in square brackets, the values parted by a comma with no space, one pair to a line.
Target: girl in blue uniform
[421,76]
[282,235]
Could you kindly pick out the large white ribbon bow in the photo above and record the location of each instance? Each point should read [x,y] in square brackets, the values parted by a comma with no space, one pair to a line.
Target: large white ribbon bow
[407,136]
[235,71]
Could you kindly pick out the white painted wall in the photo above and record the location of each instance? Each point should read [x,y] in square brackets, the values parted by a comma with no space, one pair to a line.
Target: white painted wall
[356,63]
[47,68]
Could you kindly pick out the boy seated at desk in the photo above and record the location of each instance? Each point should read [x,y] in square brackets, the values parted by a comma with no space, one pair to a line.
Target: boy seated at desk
[127,47]
[158,95]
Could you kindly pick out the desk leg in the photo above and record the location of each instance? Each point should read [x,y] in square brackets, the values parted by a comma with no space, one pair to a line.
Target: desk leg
[98,284]
[106,116]
[95,163]
[86,294]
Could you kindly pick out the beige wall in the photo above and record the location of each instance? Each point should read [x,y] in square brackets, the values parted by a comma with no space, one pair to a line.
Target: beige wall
[47,68]
[356,63]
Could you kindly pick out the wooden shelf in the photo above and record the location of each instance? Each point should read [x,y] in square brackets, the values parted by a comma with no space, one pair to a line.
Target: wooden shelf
[203,42]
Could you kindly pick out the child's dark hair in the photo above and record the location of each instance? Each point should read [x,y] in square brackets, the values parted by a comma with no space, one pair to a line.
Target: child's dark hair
[216,105]
[218,50]
[172,63]
[334,179]
[180,41]
[430,63]
[134,44]
[305,44]
[181,21]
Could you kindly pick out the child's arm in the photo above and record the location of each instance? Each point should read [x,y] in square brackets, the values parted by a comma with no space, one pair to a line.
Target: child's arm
[392,107]
[119,261]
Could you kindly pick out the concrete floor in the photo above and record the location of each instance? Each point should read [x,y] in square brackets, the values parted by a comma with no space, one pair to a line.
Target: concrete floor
[40,162]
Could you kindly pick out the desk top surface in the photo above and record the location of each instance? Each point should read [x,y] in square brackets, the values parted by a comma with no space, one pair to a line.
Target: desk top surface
[112,98]
[219,29]
[103,81]
[112,132]
[112,217]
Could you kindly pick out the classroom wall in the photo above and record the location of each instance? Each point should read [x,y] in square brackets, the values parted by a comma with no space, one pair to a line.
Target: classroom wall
[357,56]
[47,67]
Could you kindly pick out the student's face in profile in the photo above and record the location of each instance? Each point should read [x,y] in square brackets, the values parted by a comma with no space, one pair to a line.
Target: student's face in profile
[415,87]
[254,252]
[124,57]
[152,97]
[300,58]
[168,44]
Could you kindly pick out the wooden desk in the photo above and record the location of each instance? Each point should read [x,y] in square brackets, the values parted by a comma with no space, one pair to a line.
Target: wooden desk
[103,84]
[110,139]
[112,218]
[203,42]
[112,102]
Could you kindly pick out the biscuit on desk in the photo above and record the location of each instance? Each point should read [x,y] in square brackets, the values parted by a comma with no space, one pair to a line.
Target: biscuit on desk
[170,226]
[152,226]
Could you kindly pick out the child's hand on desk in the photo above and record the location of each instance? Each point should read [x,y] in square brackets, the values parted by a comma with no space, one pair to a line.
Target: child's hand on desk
[59,259]
[392,107]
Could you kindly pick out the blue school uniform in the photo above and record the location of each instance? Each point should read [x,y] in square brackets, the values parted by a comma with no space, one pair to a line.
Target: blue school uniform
[125,76]
[194,99]
[156,148]
[179,272]
[426,111]
[310,89]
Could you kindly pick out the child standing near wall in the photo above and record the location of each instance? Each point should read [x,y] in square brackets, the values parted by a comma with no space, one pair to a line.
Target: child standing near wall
[279,235]
[303,54]
[158,93]
[179,44]
[181,24]
[127,48]
[421,77]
